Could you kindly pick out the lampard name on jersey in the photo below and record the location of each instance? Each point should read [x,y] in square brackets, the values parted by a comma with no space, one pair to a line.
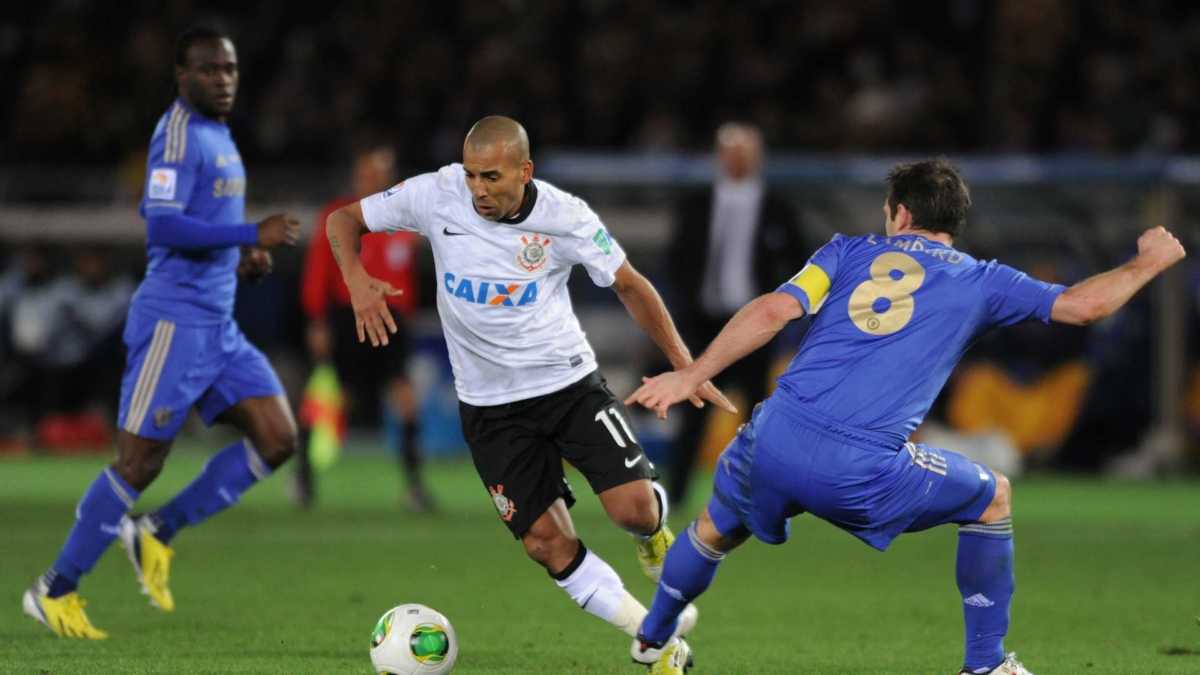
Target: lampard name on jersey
[495,293]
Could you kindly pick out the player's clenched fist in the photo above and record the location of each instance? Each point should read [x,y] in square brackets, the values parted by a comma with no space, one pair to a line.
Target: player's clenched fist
[372,318]
[277,229]
[1159,248]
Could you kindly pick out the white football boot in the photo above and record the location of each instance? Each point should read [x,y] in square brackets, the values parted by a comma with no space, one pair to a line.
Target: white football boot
[647,654]
[673,658]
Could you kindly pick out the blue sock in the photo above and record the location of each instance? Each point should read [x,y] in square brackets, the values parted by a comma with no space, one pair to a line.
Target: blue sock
[687,572]
[225,477]
[985,579]
[96,518]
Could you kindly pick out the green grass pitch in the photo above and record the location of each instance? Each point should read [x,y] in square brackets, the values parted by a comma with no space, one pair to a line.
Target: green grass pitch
[1108,581]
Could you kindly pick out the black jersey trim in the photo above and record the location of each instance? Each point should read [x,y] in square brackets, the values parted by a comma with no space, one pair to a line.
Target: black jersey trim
[531,195]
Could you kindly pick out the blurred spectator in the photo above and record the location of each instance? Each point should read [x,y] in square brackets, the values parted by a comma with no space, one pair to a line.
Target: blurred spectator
[63,334]
[28,272]
[377,381]
[732,242]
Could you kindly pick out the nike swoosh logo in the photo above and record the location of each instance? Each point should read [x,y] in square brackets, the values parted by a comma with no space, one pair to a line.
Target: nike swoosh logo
[446,231]
[630,462]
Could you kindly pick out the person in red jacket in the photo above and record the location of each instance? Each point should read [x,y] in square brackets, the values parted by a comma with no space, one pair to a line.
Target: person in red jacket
[378,388]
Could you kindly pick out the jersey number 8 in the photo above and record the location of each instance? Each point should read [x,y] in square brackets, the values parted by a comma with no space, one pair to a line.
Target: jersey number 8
[884,303]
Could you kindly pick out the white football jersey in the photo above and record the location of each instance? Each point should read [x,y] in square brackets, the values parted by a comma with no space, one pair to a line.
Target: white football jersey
[502,286]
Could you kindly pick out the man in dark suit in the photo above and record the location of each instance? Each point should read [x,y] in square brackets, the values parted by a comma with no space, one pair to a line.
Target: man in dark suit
[731,242]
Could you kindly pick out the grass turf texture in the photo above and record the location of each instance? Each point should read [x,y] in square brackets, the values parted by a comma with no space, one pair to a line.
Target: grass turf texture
[1106,583]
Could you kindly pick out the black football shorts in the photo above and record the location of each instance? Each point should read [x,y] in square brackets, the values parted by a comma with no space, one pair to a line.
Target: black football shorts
[519,447]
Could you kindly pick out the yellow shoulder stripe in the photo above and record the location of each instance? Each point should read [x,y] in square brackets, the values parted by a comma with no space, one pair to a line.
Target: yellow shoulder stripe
[815,283]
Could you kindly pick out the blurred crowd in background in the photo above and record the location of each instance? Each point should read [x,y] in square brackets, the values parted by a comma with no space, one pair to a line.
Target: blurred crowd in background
[962,77]
[87,80]
[61,314]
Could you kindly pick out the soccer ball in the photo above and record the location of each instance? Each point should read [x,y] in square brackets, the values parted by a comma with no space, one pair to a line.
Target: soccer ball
[413,639]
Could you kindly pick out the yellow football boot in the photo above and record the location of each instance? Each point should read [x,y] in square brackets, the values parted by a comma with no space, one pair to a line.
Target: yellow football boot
[64,615]
[151,560]
[652,552]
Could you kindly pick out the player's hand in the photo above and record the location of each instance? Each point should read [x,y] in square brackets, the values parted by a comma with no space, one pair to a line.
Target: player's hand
[1159,249]
[372,318]
[663,391]
[320,342]
[278,229]
[709,392]
[255,263]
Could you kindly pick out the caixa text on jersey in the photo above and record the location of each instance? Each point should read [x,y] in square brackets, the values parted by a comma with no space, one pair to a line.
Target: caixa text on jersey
[495,293]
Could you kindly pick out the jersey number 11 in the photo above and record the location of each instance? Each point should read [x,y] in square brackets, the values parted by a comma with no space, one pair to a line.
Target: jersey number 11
[603,418]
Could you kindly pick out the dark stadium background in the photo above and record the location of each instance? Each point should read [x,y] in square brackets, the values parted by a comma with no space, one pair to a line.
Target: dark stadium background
[1074,122]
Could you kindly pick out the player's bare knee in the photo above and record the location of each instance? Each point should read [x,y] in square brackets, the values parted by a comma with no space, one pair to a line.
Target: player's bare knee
[632,506]
[276,443]
[639,514]
[141,475]
[706,530]
[1001,505]
[139,469]
[537,548]
[552,550]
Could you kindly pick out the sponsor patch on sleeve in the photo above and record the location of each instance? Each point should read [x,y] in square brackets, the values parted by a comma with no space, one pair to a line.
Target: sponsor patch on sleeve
[602,241]
[162,184]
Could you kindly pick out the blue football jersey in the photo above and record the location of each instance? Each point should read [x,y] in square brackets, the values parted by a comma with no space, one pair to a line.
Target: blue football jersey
[194,169]
[891,318]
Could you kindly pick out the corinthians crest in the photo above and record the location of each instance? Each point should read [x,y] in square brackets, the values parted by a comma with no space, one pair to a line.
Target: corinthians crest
[533,254]
[504,505]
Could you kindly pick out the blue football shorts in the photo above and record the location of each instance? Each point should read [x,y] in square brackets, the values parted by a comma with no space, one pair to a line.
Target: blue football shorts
[782,464]
[171,367]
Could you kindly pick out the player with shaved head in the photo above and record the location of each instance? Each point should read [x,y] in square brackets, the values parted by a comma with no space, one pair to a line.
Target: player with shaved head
[504,132]
[530,394]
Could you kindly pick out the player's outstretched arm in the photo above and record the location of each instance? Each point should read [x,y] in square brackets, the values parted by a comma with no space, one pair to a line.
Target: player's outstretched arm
[175,230]
[1099,296]
[368,295]
[646,307]
[752,327]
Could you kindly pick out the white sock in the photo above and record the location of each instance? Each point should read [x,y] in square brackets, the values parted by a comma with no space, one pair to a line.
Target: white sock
[595,587]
